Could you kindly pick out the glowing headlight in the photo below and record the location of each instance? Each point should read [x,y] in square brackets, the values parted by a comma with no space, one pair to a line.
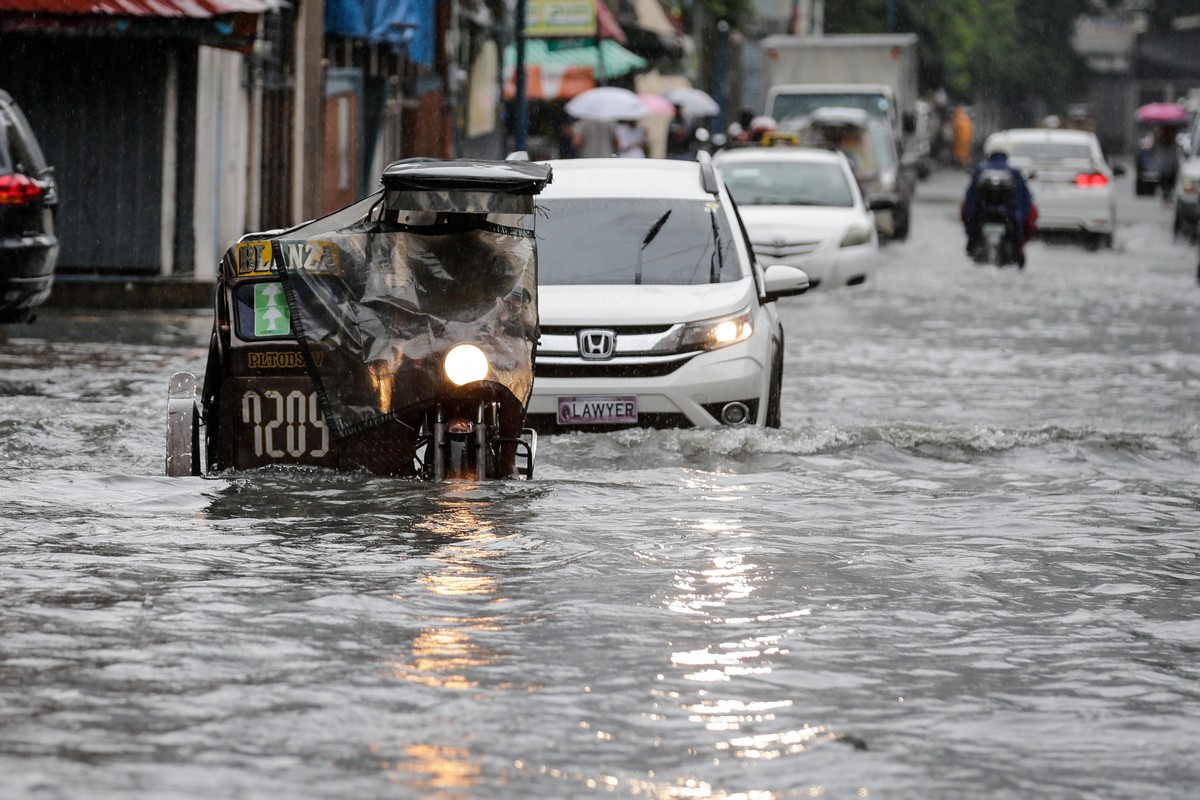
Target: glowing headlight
[855,236]
[713,333]
[465,363]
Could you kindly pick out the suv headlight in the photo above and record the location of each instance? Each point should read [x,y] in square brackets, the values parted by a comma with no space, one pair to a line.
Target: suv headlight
[711,334]
[858,234]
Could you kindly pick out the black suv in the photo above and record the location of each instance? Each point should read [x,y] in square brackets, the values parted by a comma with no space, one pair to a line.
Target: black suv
[28,197]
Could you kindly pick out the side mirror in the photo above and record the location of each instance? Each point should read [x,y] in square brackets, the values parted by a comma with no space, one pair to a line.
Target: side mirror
[1118,170]
[784,281]
[881,202]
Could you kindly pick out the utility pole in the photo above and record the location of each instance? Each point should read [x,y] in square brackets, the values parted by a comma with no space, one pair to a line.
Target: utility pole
[521,123]
[720,79]
[800,23]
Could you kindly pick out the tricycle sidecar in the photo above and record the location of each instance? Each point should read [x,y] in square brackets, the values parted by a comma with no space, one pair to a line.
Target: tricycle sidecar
[396,335]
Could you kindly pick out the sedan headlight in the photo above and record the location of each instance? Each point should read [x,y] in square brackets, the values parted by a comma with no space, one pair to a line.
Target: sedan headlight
[465,363]
[711,334]
[858,234]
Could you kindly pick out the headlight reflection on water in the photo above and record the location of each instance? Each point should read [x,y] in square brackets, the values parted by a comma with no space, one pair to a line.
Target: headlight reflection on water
[445,653]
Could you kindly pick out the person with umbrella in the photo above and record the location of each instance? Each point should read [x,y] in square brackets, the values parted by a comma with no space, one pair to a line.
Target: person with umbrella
[1158,152]
[598,109]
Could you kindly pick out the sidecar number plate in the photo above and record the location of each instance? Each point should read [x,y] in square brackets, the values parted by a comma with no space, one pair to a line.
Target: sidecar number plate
[597,410]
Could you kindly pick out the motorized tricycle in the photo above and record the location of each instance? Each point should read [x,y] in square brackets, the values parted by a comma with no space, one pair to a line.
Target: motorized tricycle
[395,336]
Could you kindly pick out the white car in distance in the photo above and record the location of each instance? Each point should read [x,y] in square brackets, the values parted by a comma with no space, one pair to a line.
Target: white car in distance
[653,311]
[1071,183]
[803,207]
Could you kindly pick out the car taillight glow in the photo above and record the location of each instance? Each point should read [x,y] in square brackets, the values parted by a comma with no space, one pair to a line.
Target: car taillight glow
[18,190]
[1091,180]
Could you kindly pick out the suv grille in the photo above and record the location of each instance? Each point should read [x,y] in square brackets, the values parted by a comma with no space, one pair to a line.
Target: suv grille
[558,368]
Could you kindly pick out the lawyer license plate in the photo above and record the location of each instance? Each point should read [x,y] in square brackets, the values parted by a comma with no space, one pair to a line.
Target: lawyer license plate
[597,410]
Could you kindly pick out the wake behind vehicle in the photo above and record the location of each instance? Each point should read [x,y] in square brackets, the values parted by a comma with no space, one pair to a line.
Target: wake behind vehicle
[394,336]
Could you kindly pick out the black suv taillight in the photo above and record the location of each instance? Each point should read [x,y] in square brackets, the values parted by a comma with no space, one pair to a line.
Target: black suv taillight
[18,190]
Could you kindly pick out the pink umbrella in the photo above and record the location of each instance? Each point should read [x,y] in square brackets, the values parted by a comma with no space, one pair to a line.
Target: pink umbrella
[1162,114]
[658,104]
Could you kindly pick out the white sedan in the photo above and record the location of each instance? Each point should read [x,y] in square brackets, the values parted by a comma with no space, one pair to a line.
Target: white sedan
[1071,182]
[802,207]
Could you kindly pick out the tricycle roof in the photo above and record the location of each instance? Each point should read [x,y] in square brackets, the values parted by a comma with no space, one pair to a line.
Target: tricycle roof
[433,175]
[463,186]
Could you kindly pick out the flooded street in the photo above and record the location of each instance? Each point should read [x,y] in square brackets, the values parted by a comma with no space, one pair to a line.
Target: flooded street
[966,566]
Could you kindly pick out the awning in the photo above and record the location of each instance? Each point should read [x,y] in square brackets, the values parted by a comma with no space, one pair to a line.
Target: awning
[190,9]
[560,74]
[401,23]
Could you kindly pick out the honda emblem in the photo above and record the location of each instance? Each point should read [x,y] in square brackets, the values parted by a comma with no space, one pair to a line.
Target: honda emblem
[597,345]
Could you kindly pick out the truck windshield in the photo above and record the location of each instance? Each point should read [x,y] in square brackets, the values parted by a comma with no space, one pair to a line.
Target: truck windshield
[627,241]
[790,106]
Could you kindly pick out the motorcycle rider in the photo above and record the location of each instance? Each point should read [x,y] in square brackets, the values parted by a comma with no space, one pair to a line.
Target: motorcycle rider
[1022,212]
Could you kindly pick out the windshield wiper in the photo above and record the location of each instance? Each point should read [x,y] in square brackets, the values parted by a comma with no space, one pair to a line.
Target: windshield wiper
[646,240]
[715,263]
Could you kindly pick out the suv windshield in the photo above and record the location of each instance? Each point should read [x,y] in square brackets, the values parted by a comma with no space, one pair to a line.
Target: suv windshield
[789,183]
[617,240]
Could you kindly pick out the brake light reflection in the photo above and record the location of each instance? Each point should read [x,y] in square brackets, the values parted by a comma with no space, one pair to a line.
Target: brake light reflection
[1092,180]
[18,190]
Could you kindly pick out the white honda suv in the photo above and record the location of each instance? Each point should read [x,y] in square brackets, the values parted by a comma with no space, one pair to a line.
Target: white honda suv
[653,310]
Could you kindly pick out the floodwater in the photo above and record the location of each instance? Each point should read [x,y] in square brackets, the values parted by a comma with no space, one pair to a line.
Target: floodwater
[967,566]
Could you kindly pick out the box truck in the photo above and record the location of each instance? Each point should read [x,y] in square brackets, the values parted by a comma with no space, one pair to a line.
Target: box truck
[875,72]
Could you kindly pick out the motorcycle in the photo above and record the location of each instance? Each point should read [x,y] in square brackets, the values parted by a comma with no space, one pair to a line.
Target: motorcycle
[997,241]
[395,336]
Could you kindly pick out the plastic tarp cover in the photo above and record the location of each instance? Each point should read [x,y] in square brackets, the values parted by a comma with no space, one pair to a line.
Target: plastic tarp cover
[407,23]
[377,304]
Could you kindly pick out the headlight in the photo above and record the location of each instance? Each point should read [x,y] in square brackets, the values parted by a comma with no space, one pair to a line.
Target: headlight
[857,235]
[713,333]
[465,363]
